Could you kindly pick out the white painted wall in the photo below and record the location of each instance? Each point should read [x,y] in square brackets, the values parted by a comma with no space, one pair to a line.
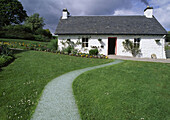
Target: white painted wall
[148,44]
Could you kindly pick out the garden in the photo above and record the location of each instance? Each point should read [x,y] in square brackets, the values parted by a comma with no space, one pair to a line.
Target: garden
[50,47]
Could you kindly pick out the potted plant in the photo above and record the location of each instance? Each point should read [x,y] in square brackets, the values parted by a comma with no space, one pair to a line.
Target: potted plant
[157,41]
[99,39]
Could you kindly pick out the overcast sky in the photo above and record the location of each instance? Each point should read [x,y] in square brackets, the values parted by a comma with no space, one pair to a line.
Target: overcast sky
[51,10]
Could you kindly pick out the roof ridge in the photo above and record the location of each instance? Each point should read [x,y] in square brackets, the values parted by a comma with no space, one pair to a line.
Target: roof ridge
[109,16]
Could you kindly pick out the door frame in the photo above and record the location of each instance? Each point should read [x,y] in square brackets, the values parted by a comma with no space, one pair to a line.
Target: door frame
[115,45]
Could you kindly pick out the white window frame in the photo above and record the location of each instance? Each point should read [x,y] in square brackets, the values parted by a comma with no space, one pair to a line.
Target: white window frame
[137,42]
[85,43]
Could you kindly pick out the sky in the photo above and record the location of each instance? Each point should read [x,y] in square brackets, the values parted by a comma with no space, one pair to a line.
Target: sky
[51,10]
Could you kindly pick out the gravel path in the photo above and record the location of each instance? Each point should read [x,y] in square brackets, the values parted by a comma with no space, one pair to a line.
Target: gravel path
[138,59]
[57,101]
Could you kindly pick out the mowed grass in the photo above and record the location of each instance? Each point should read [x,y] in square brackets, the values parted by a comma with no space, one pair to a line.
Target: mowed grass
[22,82]
[126,91]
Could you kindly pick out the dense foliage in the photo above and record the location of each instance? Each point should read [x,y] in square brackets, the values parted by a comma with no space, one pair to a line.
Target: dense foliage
[11,12]
[35,22]
[168,37]
[93,51]
[6,55]
[130,47]
[25,32]
[53,45]
[5,60]
[17,31]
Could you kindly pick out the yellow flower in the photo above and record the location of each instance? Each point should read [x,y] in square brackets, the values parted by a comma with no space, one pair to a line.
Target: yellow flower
[6,43]
[106,57]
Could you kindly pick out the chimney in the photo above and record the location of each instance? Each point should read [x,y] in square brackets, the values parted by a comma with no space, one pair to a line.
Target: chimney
[148,12]
[65,13]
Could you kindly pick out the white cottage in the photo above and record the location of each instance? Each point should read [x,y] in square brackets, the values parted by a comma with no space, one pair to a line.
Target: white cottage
[108,32]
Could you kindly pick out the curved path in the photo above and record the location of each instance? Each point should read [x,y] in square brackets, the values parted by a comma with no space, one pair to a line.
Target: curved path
[57,101]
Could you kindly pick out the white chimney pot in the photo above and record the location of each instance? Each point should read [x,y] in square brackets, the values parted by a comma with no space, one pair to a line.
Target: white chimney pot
[148,12]
[65,14]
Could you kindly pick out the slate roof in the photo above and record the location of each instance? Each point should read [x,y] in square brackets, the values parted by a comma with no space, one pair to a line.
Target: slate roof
[109,25]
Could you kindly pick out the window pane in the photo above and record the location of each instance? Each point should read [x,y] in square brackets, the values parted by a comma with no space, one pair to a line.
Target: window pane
[83,39]
[86,44]
[138,40]
[86,39]
[135,40]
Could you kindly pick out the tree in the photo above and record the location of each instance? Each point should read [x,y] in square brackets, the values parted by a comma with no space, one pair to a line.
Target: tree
[35,22]
[168,37]
[11,12]
[130,47]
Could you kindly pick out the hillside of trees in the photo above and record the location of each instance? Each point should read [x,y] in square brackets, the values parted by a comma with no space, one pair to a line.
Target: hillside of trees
[15,23]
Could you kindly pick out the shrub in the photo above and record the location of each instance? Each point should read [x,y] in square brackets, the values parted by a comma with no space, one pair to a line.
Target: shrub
[53,44]
[25,32]
[5,51]
[44,32]
[16,32]
[69,49]
[168,37]
[41,38]
[93,51]
[5,60]
[18,28]
[130,47]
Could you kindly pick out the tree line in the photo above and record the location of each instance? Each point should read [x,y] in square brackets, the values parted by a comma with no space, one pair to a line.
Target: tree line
[15,23]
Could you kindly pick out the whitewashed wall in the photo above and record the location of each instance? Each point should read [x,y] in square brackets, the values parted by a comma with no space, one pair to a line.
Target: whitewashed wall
[148,44]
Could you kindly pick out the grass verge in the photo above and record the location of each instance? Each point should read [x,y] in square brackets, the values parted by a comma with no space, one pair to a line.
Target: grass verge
[22,82]
[126,91]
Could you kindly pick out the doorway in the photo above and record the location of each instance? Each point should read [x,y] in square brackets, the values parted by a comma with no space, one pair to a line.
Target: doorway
[112,45]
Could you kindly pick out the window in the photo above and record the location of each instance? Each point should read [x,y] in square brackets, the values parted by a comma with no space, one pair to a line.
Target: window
[137,42]
[85,42]
[68,40]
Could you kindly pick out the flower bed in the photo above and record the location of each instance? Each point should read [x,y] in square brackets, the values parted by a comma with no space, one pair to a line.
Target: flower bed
[26,46]
[43,47]
[84,55]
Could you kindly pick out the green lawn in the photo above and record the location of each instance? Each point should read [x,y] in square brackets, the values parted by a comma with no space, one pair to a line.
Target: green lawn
[126,91]
[22,82]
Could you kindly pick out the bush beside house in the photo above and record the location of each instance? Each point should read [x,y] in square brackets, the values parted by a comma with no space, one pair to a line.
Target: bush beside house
[6,55]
